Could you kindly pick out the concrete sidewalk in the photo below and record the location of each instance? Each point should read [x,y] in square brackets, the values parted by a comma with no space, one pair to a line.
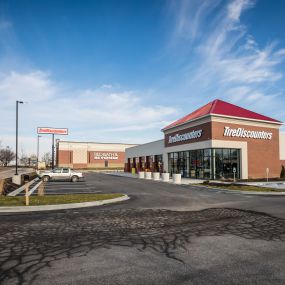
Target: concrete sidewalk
[11,171]
[184,181]
[189,181]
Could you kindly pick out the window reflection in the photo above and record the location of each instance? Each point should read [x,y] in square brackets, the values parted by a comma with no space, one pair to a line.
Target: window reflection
[205,163]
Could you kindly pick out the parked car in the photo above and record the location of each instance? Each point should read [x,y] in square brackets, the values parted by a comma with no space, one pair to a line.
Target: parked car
[61,174]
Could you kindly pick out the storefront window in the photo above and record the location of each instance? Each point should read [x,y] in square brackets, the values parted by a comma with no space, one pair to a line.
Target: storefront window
[158,163]
[142,163]
[205,163]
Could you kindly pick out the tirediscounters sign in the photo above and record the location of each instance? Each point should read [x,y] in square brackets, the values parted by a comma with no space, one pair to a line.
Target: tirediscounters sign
[53,131]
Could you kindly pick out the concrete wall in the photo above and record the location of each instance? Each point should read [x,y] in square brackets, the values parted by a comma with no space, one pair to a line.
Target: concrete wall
[152,148]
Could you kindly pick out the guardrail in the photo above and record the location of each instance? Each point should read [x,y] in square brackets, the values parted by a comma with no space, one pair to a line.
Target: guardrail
[34,188]
[22,188]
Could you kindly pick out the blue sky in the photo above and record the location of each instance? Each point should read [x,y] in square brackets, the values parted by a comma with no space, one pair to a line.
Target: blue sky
[118,71]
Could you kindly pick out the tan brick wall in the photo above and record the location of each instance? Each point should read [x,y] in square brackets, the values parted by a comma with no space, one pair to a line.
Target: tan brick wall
[79,156]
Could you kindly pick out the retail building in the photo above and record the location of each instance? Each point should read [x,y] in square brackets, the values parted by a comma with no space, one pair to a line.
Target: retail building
[217,141]
[91,155]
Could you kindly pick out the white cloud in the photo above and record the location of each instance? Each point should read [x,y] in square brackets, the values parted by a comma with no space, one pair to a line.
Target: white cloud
[30,87]
[189,16]
[107,86]
[228,62]
[236,7]
[95,113]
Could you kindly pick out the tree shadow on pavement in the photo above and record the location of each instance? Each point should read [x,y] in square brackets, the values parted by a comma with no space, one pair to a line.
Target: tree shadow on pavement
[29,243]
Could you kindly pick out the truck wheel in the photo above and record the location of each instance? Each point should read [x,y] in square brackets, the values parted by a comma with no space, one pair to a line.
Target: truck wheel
[74,178]
[46,178]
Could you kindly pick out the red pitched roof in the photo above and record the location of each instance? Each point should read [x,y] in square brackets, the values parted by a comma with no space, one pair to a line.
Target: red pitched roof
[222,108]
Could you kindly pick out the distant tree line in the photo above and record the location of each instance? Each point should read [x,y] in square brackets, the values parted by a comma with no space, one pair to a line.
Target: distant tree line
[7,155]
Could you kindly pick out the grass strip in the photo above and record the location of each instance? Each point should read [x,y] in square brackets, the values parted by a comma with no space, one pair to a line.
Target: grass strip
[56,199]
[244,188]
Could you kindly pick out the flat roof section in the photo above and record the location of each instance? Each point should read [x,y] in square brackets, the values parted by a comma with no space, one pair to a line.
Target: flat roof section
[60,141]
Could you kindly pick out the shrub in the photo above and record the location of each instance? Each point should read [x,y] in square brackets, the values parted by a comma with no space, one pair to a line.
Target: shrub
[282,174]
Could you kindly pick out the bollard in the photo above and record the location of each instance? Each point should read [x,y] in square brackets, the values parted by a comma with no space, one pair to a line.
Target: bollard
[156,176]
[176,178]
[147,175]
[27,194]
[141,175]
[165,176]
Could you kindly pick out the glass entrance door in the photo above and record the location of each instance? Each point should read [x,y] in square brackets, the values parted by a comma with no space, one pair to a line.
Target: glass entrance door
[192,164]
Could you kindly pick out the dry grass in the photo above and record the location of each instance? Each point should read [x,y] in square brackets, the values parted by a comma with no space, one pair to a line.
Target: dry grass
[55,199]
[243,188]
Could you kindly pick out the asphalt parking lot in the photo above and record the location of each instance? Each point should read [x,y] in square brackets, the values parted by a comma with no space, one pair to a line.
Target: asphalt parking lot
[67,187]
[165,234]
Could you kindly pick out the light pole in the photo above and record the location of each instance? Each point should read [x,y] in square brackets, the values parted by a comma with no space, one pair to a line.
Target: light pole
[52,155]
[17,103]
[38,151]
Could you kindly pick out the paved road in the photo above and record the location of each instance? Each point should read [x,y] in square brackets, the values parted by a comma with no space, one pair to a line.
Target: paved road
[165,234]
[9,172]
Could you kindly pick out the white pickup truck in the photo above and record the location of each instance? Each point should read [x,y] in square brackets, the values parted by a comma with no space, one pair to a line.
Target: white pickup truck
[61,174]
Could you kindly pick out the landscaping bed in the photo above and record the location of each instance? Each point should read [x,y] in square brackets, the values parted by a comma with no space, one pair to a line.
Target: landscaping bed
[55,199]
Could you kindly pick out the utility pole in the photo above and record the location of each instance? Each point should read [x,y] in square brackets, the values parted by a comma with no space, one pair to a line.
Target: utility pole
[52,155]
[38,151]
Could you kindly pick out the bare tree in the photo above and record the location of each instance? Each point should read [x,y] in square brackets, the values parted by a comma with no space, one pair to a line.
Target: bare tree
[24,160]
[47,158]
[6,155]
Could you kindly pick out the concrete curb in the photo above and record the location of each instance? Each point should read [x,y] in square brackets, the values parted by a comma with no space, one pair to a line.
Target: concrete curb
[18,209]
[243,192]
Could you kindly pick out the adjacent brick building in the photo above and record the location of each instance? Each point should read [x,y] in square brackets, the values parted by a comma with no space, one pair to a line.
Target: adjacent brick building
[91,155]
